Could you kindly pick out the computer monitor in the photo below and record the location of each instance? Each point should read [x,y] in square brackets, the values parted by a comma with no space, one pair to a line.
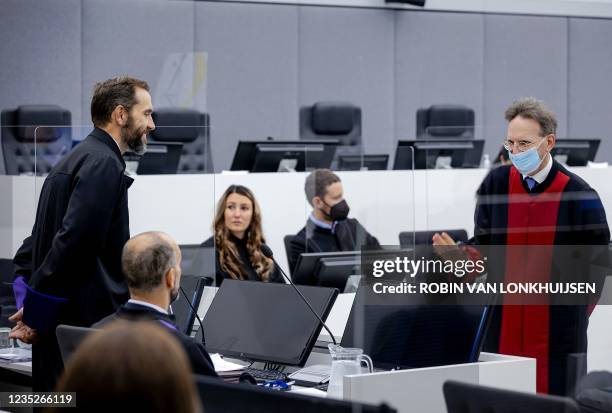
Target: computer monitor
[325,268]
[266,322]
[575,152]
[438,153]
[363,162]
[414,336]
[160,158]
[218,396]
[333,269]
[284,156]
[193,286]
[197,260]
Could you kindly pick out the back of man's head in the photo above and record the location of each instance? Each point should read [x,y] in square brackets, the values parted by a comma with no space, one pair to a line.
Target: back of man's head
[146,259]
[317,183]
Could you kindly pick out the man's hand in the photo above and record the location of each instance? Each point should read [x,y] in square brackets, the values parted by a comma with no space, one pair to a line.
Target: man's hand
[21,331]
[443,239]
[446,247]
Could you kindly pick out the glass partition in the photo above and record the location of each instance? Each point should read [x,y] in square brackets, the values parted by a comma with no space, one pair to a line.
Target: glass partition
[364,174]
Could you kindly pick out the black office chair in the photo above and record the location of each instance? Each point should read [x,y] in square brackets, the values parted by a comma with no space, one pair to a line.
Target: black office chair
[287,241]
[69,338]
[408,239]
[217,396]
[333,120]
[445,122]
[34,138]
[473,398]
[192,129]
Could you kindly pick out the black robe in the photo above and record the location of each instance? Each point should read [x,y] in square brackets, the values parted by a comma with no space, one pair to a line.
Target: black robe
[562,211]
[199,358]
[349,235]
[74,252]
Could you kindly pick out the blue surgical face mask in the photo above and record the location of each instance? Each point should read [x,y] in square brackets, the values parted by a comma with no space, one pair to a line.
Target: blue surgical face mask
[528,161]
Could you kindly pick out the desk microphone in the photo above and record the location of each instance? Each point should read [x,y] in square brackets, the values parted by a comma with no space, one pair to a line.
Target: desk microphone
[194,311]
[269,254]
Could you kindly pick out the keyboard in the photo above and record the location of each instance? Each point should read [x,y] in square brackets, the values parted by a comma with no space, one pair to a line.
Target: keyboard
[265,375]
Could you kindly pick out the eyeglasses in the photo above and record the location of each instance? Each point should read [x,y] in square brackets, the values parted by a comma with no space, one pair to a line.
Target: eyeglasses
[521,145]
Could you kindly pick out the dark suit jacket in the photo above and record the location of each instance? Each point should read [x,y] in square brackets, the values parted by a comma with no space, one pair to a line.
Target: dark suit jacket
[220,275]
[196,352]
[349,235]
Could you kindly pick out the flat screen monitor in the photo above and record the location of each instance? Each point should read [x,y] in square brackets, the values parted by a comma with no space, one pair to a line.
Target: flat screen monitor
[414,336]
[575,152]
[197,260]
[336,266]
[363,162]
[193,287]
[284,156]
[266,321]
[333,269]
[160,158]
[438,153]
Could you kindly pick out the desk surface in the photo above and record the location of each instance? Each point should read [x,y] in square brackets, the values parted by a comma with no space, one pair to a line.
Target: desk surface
[23,367]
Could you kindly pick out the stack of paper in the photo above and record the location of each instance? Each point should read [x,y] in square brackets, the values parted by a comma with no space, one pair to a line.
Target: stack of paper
[226,369]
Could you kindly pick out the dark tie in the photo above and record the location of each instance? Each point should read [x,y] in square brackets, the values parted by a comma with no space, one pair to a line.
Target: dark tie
[530,182]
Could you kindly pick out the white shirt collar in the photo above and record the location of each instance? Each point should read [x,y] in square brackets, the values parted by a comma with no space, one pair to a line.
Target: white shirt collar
[541,176]
[322,224]
[144,303]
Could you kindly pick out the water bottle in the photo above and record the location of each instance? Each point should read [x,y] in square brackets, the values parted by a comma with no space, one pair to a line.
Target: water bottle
[486,161]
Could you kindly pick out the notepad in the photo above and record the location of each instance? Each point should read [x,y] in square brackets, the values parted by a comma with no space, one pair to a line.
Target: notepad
[222,365]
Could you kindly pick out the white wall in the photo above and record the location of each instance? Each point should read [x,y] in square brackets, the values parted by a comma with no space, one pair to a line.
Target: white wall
[584,8]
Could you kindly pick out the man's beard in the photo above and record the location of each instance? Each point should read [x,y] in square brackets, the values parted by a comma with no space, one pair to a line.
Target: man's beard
[132,137]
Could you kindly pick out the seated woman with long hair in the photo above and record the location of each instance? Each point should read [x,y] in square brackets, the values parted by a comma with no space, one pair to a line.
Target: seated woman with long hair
[238,238]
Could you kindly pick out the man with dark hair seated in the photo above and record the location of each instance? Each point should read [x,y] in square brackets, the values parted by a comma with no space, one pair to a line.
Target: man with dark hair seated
[151,262]
[328,229]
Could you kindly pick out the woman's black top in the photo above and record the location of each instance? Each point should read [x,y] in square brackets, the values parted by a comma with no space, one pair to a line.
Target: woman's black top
[241,247]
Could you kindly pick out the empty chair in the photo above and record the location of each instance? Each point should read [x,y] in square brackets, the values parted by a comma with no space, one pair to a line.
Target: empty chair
[69,338]
[444,122]
[192,129]
[473,398]
[34,138]
[408,239]
[333,120]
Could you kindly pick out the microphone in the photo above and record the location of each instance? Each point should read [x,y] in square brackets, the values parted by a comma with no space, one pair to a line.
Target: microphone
[194,311]
[267,252]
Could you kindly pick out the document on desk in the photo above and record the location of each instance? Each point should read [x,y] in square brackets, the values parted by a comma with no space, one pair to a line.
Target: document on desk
[222,366]
[15,355]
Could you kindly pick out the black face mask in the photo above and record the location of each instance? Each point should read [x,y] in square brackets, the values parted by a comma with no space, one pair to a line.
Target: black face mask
[339,211]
